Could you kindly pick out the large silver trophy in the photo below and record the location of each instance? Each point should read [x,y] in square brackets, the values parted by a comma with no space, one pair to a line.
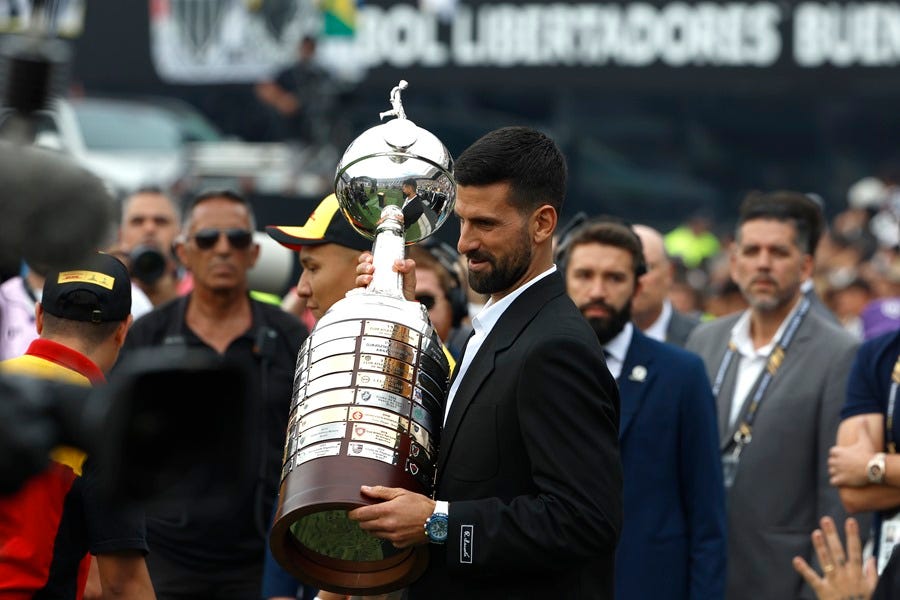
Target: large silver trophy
[371,379]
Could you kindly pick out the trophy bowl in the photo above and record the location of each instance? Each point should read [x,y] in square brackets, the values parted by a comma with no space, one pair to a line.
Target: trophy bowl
[372,378]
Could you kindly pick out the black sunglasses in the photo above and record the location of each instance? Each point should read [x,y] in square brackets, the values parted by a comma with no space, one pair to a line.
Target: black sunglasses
[238,238]
[427,300]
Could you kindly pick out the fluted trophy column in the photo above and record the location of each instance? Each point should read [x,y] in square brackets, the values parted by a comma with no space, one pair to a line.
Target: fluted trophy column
[372,378]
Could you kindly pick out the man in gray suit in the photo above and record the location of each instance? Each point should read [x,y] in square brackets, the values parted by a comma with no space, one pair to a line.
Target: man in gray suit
[779,373]
[652,311]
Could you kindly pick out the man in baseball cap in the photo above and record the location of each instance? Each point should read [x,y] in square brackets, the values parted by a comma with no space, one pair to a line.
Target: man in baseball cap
[329,250]
[98,291]
[55,522]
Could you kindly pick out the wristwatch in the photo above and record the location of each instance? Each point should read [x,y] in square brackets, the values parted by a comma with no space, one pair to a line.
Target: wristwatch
[437,524]
[875,468]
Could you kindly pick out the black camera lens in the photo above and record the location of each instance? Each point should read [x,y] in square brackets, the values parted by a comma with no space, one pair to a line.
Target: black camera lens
[147,264]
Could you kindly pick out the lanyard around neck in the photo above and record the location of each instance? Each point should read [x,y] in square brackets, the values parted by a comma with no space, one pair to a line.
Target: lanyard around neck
[775,360]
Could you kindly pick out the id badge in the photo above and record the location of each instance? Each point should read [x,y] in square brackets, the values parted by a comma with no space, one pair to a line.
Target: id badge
[729,468]
[890,536]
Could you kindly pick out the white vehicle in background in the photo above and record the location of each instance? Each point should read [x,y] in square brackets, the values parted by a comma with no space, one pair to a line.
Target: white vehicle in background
[126,144]
[167,143]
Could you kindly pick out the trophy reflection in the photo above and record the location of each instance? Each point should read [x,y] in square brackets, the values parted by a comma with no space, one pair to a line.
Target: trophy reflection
[372,378]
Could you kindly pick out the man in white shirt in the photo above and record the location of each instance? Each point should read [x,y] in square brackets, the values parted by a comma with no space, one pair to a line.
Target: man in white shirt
[652,310]
[529,477]
[779,373]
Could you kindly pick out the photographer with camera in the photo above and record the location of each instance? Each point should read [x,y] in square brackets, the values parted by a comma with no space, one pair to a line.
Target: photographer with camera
[49,527]
[149,227]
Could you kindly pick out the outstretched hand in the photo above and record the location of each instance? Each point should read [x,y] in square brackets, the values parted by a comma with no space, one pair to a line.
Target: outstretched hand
[843,575]
[406,267]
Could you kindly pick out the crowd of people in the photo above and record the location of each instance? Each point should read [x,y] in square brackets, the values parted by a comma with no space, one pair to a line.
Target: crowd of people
[632,414]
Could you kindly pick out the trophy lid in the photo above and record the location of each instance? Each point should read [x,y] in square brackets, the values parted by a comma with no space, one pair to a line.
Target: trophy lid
[396,163]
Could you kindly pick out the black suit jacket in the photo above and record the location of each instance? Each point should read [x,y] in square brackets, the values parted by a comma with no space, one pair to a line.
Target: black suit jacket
[529,462]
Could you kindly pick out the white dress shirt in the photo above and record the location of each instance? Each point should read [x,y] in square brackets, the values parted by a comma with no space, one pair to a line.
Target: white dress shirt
[616,350]
[657,331]
[751,361]
[482,324]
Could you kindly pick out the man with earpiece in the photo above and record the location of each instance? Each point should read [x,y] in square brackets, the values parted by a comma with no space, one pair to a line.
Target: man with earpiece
[674,499]
[439,289]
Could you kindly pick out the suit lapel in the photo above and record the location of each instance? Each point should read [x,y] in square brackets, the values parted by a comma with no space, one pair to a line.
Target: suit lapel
[508,328]
[675,331]
[796,349]
[634,380]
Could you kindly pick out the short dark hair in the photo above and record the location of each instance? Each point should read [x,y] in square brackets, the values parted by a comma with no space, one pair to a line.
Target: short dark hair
[530,161]
[608,233]
[411,183]
[154,190]
[91,334]
[788,207]
[426,260]
[149,189]
[226,194]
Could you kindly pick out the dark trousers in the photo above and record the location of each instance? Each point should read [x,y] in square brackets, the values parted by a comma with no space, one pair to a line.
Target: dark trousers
[173,581]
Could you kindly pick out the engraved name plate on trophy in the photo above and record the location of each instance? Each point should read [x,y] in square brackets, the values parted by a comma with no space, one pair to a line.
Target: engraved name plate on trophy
[372,379]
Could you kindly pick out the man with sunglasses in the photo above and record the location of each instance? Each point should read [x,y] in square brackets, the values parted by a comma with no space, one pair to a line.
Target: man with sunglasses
[220,556]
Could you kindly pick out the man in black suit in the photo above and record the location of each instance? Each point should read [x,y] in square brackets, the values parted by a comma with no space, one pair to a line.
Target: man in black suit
[415,210]
[529,480]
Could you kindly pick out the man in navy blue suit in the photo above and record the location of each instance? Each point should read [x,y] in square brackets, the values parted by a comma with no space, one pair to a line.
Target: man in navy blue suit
[673,533]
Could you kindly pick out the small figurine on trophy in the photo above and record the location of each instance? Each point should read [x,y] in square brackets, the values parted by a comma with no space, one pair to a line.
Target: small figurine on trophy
[371,379]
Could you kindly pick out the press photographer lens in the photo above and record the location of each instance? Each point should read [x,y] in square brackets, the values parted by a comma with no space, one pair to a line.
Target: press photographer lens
[148,264]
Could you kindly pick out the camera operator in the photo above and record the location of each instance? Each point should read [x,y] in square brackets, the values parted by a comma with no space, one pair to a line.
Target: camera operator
[150,224]
[51,524]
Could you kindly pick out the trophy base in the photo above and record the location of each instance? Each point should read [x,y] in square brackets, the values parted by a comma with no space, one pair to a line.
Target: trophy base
[314,540]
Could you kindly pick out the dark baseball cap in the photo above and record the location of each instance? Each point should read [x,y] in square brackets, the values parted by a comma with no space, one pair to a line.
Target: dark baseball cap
[326,225]
[96,289]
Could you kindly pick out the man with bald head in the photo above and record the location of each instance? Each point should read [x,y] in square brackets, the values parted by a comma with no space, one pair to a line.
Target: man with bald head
[652,311]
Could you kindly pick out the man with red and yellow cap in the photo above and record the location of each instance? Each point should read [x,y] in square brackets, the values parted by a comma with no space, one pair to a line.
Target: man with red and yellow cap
[50,527]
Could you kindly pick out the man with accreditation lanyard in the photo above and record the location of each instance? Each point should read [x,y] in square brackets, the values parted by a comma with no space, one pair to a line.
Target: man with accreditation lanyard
[779,372]
[864,464]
